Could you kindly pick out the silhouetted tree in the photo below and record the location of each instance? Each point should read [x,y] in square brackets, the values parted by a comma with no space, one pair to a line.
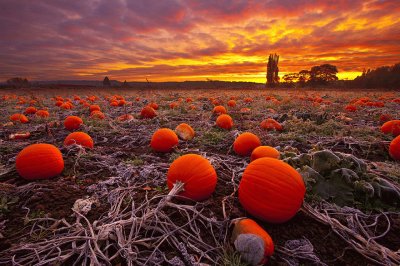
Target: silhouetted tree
[323,74]
[18,82]
[106,82]
[382,77]
[272,70]
[304,77]
[291,77]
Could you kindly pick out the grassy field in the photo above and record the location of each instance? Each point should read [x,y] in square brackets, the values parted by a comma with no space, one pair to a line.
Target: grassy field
[345,219]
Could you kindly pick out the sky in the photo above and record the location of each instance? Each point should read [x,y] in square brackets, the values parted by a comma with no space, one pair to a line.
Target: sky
[177,40]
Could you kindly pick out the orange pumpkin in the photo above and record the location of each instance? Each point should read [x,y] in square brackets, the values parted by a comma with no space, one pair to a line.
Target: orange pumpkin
[394,148]
[351,108]
[42,113]
[121,102]
[114,103]
[219,110]
[224,121]
[242,229]
[97,115]
[126,117]
[164,140]
[173,105]
[19,118]
[30,110]
[264,151]
[231,103]
[80,138]
[154,105]
[271,190]
[245,143]
[197,174]
[59,103]
[271,124]
[39,161]
[148,112]
[72,122]
[94,108]
[185,131]
[391,127]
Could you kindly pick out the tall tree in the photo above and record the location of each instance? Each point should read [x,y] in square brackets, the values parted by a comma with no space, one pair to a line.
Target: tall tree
[272,70]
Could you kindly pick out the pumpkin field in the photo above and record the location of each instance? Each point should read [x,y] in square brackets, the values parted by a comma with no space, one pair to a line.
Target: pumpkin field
[199,177]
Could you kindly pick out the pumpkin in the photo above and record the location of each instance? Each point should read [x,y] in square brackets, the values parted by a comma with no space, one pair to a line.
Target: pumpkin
[173,105]
[72,122]
[248,100]
[219,110]
[253,243]
[394,148]
[196,173]
[59,103]
[30,110]
[42,113]
[224,121]
[19,118]
[20,135]
[351,108]
[245,110]
[271,190]
[231,103]
[39,161]
[97,115]
[164,140]
[154,105]
[125,118]
[271,124]
[148,112]
[245,143]
[189,100]
[264,151]
[66,106]
[114,103]
[121,102]
[391,127]
[79,138]
[185,131]
[94,108]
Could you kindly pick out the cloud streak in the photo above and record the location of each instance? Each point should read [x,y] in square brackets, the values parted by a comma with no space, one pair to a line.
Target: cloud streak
[193,39]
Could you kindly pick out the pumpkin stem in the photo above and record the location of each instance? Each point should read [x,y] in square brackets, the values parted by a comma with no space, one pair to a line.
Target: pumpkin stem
[176,189]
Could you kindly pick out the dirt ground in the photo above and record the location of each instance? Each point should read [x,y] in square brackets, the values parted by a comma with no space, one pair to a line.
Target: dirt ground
[127,180]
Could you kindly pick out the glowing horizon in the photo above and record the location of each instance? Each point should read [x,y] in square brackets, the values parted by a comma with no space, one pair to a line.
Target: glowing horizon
[178,40]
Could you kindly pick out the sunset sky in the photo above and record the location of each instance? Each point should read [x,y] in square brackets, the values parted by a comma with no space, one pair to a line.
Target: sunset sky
[176,40]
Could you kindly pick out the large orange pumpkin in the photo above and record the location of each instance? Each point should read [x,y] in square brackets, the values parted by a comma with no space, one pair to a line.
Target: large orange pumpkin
[197,174]
[271,190]
[39,161]
[42,113]
[72,122]
[185,131]
[224,121]
[394,148]
[271,124]
[164,140]
[219,110]
[264,151]
[391,127]
[94,108]
[19,118]
[245,227]
[30,110]
[245,143]
[80,138]
[148,112]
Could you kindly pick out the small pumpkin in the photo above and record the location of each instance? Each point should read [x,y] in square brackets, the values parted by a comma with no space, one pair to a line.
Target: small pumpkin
[148,112]
[30,110]
[39,161]
[391,127]
[164,140]
[196,173]
[394,148]
[264,151]
[19,118]
[125,118]
[154,105]
[271,124]
[253,243]
[185,131]
[245,143]
[231,103]
[224,121]
[351,108]
[219,110]
[72,122]
[271,190]
[94,108]
[97,115]
[79,138]
[42,113]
